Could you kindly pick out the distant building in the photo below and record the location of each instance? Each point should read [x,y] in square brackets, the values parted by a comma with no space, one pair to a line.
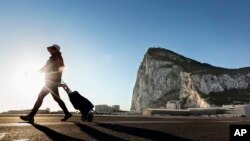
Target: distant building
[57,112]
[105,109]
[47,111]
[173,105]
[116,108]
[237,110]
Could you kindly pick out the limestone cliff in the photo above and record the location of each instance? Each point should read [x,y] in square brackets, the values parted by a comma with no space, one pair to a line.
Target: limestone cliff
[167,76]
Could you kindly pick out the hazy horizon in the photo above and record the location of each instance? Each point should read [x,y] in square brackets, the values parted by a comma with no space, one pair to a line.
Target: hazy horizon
[103,43]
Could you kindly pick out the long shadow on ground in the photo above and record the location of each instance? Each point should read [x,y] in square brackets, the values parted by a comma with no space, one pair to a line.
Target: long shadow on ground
[53,135]
[144,133]
[98,135]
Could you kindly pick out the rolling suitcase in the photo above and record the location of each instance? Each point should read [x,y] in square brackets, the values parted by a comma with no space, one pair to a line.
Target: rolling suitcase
[80,103]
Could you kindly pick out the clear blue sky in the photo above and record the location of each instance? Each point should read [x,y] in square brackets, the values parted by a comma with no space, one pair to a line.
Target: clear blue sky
[103,43]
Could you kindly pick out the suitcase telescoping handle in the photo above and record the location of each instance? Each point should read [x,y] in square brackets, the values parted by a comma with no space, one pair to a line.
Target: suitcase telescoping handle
[66,87]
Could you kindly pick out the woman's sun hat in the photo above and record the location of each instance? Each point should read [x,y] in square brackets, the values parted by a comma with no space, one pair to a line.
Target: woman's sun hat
[54,46]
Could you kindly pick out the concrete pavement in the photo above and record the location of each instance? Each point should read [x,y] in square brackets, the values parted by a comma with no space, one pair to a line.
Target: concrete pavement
[107,128]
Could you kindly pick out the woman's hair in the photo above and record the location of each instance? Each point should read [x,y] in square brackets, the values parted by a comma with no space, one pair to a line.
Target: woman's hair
[57,55]
[59,59]
[60,62]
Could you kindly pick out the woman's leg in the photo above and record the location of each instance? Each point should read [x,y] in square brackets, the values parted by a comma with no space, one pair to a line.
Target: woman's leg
[55,94]
[39,101]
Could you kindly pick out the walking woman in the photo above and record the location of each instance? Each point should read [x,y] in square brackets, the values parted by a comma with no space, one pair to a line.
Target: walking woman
[53,73]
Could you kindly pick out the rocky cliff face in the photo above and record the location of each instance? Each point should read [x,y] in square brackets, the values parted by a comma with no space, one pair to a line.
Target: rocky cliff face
[166,76]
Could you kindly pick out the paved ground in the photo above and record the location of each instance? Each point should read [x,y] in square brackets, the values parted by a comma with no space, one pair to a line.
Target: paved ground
[112,128]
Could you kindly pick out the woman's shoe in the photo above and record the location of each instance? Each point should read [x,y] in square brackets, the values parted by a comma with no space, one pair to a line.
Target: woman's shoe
[67,116]
[27,118]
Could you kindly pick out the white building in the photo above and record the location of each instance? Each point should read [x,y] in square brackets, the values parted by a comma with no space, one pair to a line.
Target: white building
[173,105]
[238,110]
[105,109]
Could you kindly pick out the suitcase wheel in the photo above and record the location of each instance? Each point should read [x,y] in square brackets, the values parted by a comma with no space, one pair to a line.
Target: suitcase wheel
[89,117]
[83,118]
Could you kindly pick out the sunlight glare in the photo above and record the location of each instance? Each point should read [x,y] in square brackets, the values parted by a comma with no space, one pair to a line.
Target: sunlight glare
[27,78]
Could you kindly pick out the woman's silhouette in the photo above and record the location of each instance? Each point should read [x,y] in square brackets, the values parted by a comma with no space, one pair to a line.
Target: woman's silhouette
[53,73]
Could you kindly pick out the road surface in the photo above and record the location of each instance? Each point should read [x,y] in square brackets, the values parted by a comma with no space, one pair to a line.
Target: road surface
[121,128]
